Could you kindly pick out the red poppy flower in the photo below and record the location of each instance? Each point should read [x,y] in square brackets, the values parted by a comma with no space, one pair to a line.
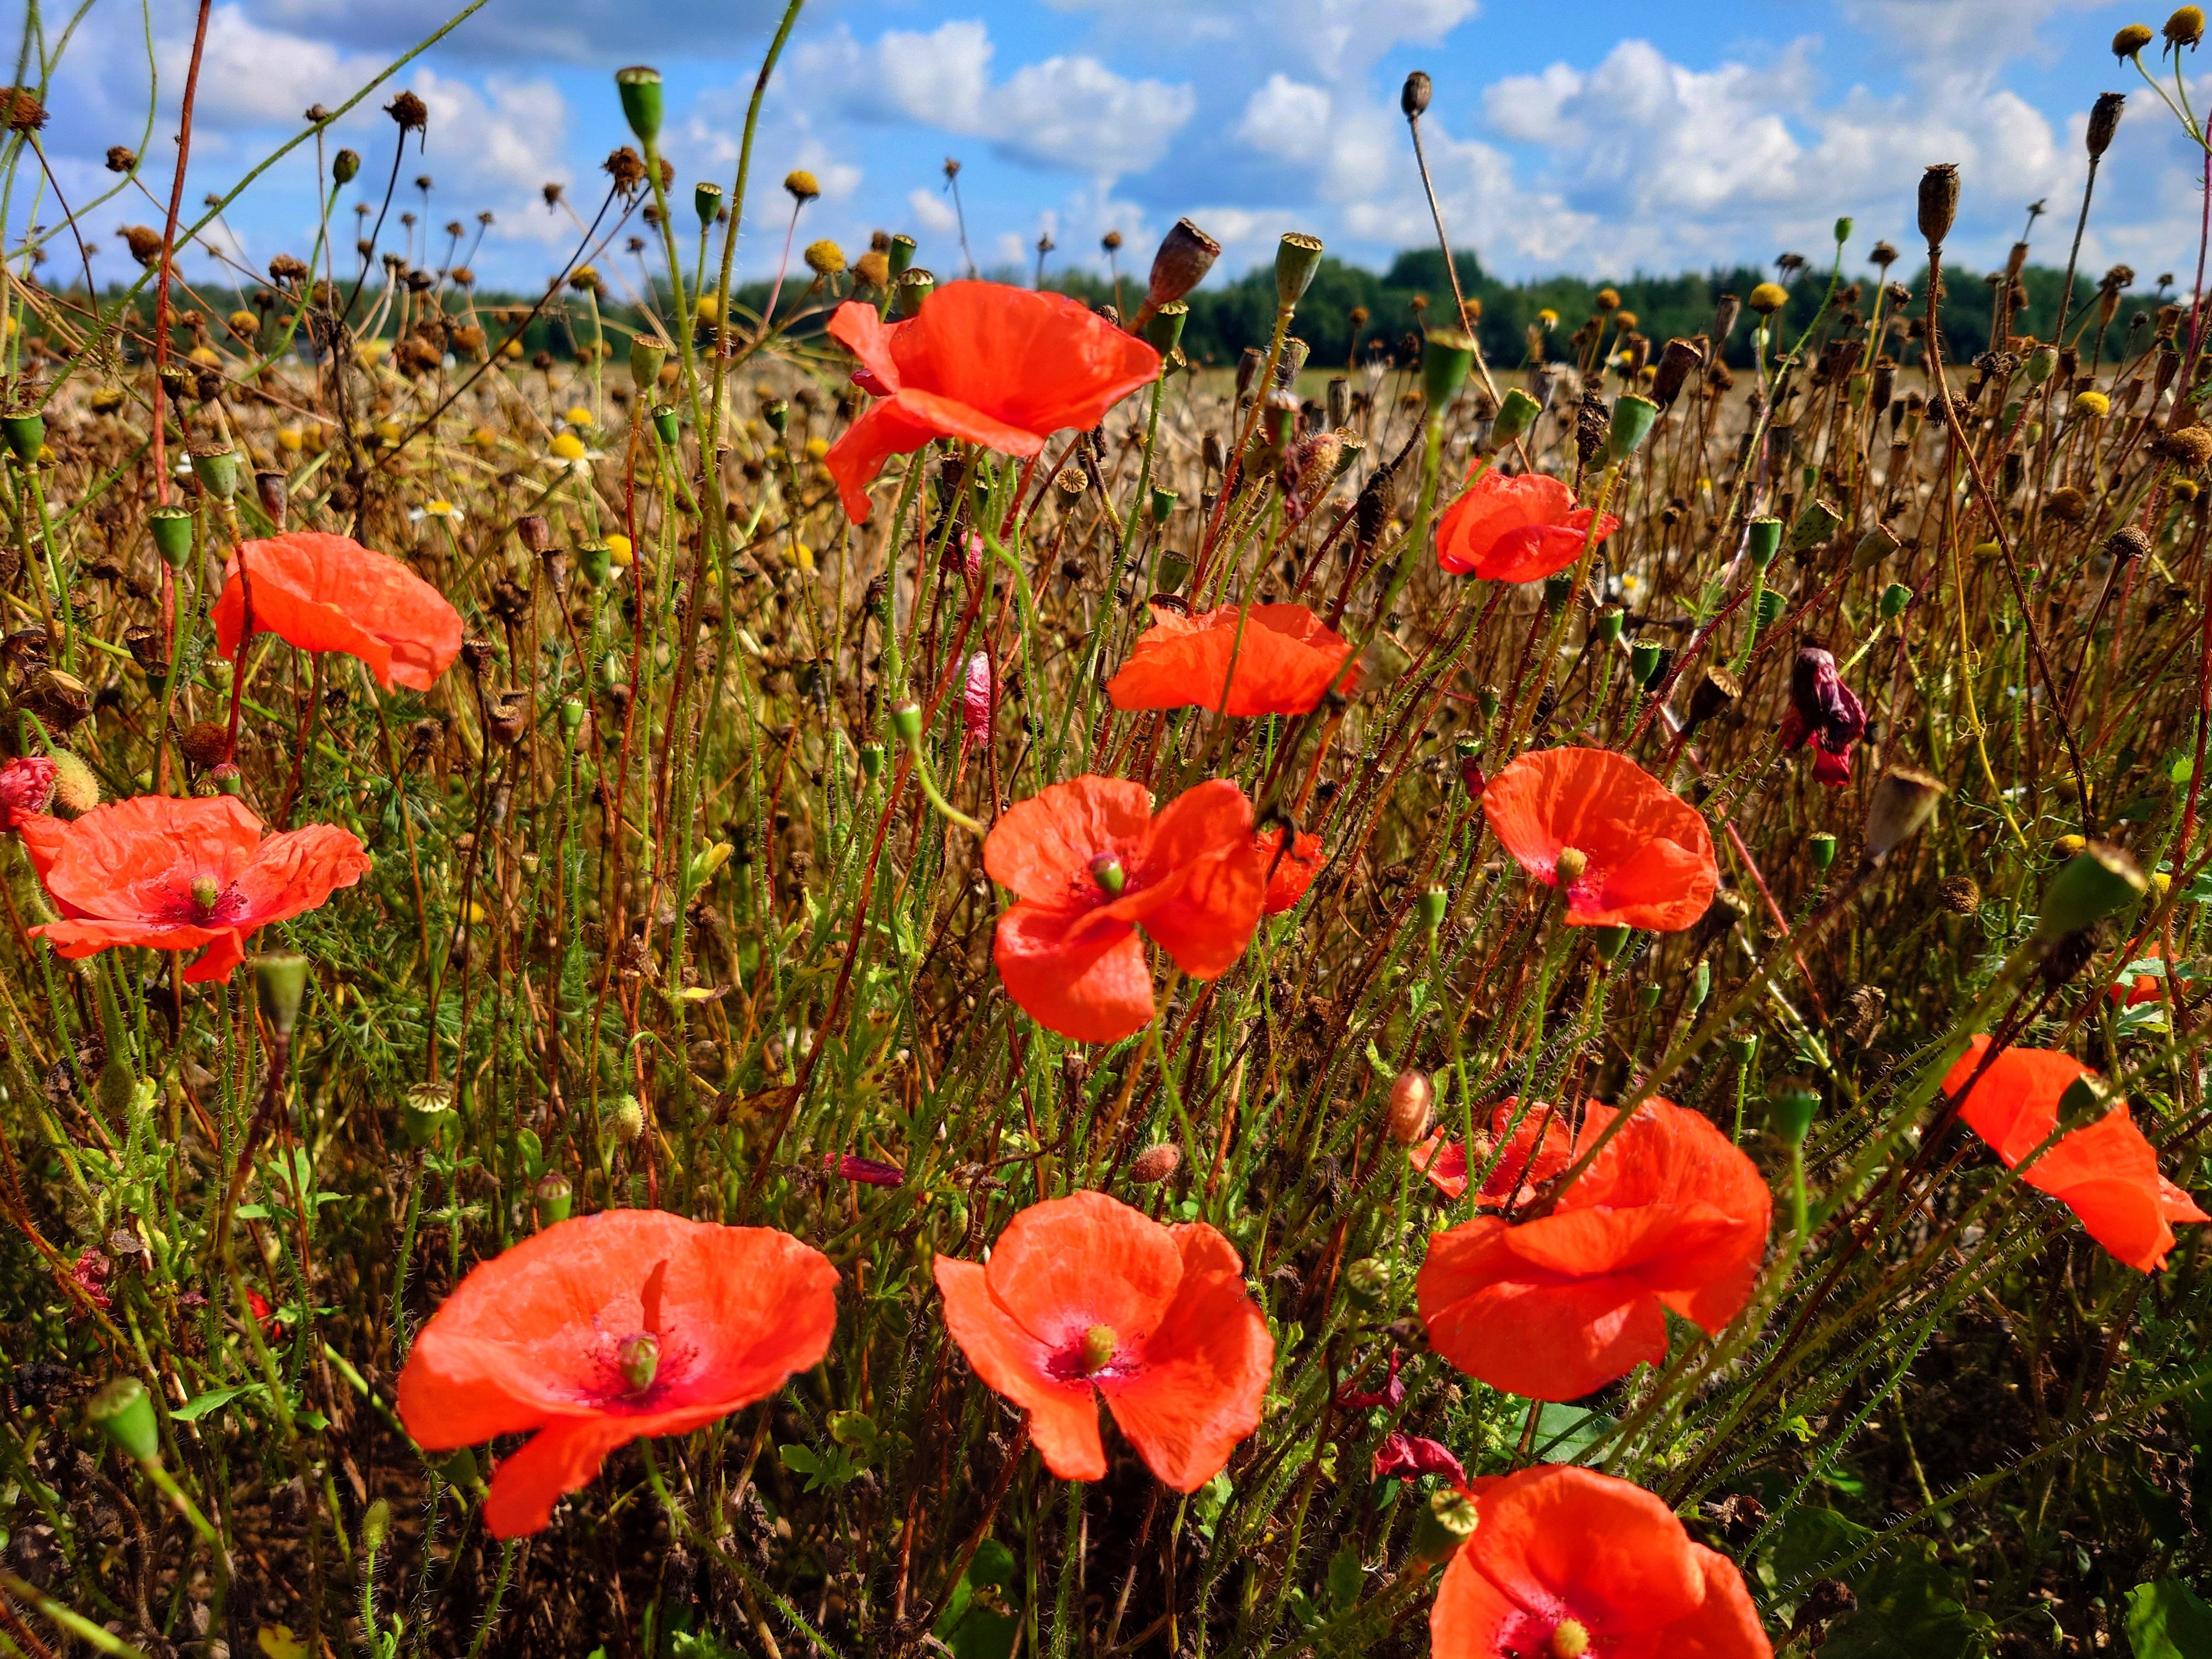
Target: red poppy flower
[1088,861]
[1258,659]
[612,1327]
[1001,367]
[1084,1294]
[1539,1149]
[27,786]
[2105,1172]
[2139,990]
[1564,1562]
[1670,1217]
[1519,529]
[173,874]
[1291,873]
[1629,853]
[320,593]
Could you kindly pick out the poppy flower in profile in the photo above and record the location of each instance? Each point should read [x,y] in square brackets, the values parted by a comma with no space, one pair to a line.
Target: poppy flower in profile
[1540,1147]
[1823,711]
[1564,1562]
[1291,871]
[1670,1218]
[1518,529]
[1085,1298]
[1001,366]
[2105,1172]
[318,593]
[174,874]
[1256,659]
[612,1327]
[1628,852]
[1089,861]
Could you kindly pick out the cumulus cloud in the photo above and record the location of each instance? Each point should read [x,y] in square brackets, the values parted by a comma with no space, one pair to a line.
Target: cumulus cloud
[1336,40]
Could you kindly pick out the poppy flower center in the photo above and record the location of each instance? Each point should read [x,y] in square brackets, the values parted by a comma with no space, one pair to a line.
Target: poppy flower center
[1570,864]
[1106,870]
[638,1361]
[1098,1347]
[206,891]
[1571,1639]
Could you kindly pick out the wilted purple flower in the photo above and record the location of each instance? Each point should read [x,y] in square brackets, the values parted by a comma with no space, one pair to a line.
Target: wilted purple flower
[1408,1455]
[976,701]
[1822,706]
[869,1171]
[1391,1394]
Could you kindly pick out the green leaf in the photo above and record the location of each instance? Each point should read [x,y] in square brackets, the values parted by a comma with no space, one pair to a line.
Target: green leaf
[798,1460]
[2167,1619]
[1910,1609]
[2162,1509]
[978,1622]
[215,1399]
[1811,1539]
[1565,1432]
[1345,1575]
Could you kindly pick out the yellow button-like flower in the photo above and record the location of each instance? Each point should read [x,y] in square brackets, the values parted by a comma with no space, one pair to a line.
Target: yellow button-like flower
[817,448]
[2068,845]
[568,446]
[709,308]
[290,438]
[578,415]
[619,553]
[2091,406]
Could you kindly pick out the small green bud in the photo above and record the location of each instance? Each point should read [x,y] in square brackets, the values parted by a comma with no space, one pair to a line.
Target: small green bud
[344,166]
[871,759]
[1794,1104]
[1701,984]
[777,413]
[1647,998]
[1517,413]
[666,426]
[1894,598]
[906,721]
[1447,355]
[1606,628]
[571,717]
[1433,904]
[1559,588]
[553,1195]
[706,201]
[217,471]
[123,1412]
[376,1526]
[1647,661]
[1611,942]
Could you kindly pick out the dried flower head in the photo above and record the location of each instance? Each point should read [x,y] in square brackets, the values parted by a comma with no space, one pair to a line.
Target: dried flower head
[873,268]
[2105,120]
[1939,202]
[21,110]
[2185,27]
[412,114]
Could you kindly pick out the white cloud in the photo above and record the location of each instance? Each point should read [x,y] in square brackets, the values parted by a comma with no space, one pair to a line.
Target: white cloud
[933,211]
[1287,119]
[1337,40]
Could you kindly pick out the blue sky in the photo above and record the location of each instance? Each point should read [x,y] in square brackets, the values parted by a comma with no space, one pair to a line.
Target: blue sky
[1651,136]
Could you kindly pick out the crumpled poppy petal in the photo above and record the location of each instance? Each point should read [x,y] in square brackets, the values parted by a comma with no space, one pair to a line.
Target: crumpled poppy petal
[1258,659]
[295,870]
[323,592]
[1203,1374]
[1094,987]
[1042,848]
[860,329]
[84,938]
[220,960]
[1063,1415]
[1291,871]
[1552,1338]
[555,1462]
[1515,529]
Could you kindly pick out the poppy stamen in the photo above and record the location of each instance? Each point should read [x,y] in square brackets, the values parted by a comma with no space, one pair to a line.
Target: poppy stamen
[1571,1639]
[1570,866]
[1106,870]
[1097,1349]
[639,1360]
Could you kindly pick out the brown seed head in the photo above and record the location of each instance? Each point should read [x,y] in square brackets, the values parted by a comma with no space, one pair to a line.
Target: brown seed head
[412,114]
[2189,448]
[21,109]
[1185,254]
[1939,202]
[1414,96]
[1961,896]
[2105,120]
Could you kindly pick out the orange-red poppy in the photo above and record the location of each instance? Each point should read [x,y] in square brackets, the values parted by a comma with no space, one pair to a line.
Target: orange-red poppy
[1001,366]
[1564,1562]
[174,874]
[320,593]
[2105,1172]
[1540,1148]
[2139,989]
[1253,659]
[612,1327]
[1289,871]
[1671,1217]
[1518,529]
[1088,861]
[1085,1297]
[1628,852]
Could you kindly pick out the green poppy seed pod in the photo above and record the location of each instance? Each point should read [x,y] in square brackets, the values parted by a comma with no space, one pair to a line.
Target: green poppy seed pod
[1447,355]
[1162,503]
[906,723]
[1486,699]
[1611,941]
[640,87]
[666,426]
[426,1115]
[1559,588]
[1173,570]
[2087,1100]
[123,1412]
[1297,256]
[1903,801]
[1645,657]
[1894,598]
[26,434]
[1164,333]
[1647,998]
[1367,1281]
[1606,628]
[1443,1525]
[1185,254]
[217,471]
[571,717]
[2105,120]
[2092,884]
[281,981]
[553,1195]
[376,1526]
[344,166]
[777,414]
[1843,229]
[1763,540]
[1824,849]
[1434,902]
[647,352]
[706,201]
[1701,984]
[1773,602]
[1877,545]
[910,290]
[2042,364]
[871,759]
[1633,420]
[1517,413]
[1939,202]
[1794,1102]
[638,1358]
[1106,870]
[593,560]
[1743,1048]
[1816,522]
[900,254]
[1414,96]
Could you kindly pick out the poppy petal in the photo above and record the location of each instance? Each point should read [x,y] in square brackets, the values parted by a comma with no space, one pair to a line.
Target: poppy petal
[1042,848]
[1258,659]
[295,870]
[1063,1415]
[1091,986]
[1040,362]
[860,329]
[1203,1374]
[1546,1339]
[1069,1264]
[1291,871]
[1613,1554]
[323,592]
[554,1462]
[886,428]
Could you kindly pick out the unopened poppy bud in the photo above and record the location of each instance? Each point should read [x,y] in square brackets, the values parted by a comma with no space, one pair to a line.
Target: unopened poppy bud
[1164,333]
[1794,1102]
[1894,598]
[281,981]
[376,1526]
[628,1119]
[1297,256]
[2131,40]
[1434,901]
[2092,884]
[1610,941]
[1098,1347]
[217,471]
[1633,420]
[344,166]
[1843,228]
[123,1412]
[1447,354]
[638,1358]
[1939,202]
[1824,849]
[1414,96]
[640,87]
[172,530]
[1412,1102]
[1155,1164]
[2086,1101]
[553,1195]
[706,201]
[1185,254]
[1106,870]
[76,788]
[2105,120]
[1517,413]
[1904,800]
